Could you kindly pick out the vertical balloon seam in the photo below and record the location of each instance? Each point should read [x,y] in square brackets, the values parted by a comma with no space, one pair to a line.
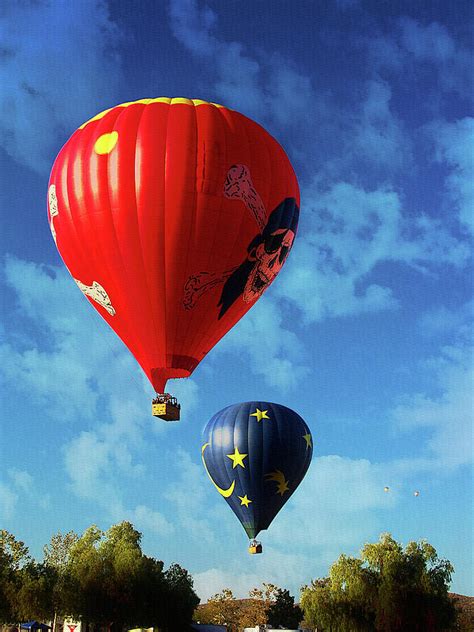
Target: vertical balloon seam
[149,352]
[242,124]
[103,186]
[180,231]
[285,421]
[217,459]
[192,239]
[165,249]
[159,385]
[196,343]
[240,479]
[278,421]
[176,247]
[226,468]
[269,170]
[200,337]
[243,415]
[71,195]
[152,116]
[81,147]
[250,472]
[72,198]
[66,207]
[304,463]
[126,281]
[253,429]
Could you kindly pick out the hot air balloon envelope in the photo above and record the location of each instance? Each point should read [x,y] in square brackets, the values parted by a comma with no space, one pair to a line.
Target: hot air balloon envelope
[256,454]
[172,216]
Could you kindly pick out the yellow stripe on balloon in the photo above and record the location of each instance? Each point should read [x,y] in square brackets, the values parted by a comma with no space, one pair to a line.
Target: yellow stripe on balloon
[173,101]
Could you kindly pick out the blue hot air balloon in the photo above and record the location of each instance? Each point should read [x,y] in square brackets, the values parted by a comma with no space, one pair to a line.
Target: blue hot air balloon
[256,454]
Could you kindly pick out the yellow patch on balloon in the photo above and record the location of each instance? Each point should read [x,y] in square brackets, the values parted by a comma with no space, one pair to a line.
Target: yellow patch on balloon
[105,143]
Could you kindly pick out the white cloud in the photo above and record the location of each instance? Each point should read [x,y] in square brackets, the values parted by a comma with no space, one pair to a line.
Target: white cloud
[454,144]
[25,487]
[8,501]
[412,47]
[434,44]
[449,414]
[347,231]
[188,494]
[378,135]
[78,371]
[350,230]
[212,581]
[441,320]
[273,351]
[261,85]
[147,519]
[21,479]
[98,464]
[54,53]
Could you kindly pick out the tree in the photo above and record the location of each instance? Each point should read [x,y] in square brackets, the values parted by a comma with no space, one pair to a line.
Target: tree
[283,612]
[387,589]
[56,557]
[33,598]
[56,553]
[237,614]
[220,609]
[180,598]
[13,556]
[110,582]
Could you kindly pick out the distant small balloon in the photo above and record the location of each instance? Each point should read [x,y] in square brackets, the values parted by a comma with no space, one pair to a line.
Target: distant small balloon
[417,493]
[386,489]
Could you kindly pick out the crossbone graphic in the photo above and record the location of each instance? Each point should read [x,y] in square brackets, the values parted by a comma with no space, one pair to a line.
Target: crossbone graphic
[266,253]
[53,208]
[97,293]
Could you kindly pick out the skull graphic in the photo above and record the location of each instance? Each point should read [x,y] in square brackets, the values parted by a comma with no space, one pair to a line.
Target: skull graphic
[266,253]
[269,256]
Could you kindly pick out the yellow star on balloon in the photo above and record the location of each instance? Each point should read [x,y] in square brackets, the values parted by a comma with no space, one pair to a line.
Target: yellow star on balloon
[237,458]
[260,414]
[307,438]
[244,500]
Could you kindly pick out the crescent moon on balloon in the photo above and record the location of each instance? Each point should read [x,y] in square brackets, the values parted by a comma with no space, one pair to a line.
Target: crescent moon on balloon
[224,492]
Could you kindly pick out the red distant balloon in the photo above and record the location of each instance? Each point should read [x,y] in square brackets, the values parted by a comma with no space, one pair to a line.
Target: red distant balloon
[172,216]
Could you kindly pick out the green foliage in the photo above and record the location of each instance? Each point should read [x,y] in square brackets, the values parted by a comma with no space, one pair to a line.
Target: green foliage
[56,553]
[13,557]
[283,612]
[102,578]
[387,589]
[34,596]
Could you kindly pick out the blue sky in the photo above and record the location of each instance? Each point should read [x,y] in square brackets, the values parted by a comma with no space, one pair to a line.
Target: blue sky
[367,332]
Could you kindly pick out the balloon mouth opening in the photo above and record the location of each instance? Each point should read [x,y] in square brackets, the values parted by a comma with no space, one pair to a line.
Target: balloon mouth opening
[178,367]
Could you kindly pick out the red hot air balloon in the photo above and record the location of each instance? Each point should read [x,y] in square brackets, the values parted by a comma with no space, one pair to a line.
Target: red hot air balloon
[172,216]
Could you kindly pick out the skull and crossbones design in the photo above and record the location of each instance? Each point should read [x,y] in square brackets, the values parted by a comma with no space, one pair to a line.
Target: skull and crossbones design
[266,253]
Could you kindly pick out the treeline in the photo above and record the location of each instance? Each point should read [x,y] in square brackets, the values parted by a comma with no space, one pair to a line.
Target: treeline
[266,605]
[387,589]
[102,578]
[105,580]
